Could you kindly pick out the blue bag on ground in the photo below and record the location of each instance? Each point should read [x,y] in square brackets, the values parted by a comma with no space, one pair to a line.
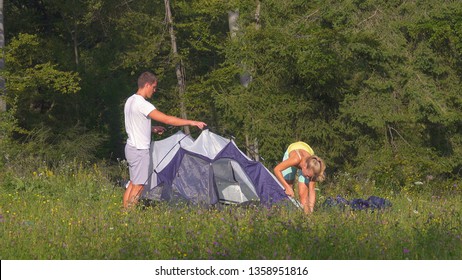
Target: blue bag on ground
[373,202]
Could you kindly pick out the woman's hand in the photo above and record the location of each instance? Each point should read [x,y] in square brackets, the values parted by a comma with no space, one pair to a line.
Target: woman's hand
[290,192]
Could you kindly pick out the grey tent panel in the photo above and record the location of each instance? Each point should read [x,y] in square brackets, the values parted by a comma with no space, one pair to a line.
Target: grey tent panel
[232,183]
[193,181]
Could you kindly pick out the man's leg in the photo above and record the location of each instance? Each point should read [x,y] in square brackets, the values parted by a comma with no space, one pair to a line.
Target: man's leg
[138,161]
[135,194]
[127,194]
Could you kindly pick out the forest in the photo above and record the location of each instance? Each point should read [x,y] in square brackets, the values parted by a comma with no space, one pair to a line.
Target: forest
[372,85]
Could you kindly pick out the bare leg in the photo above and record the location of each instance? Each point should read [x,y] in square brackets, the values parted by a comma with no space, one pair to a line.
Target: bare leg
[303,194]
[134,195]
[127,194]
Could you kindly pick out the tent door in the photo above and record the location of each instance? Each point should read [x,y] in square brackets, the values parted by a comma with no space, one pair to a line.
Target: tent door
[233,185]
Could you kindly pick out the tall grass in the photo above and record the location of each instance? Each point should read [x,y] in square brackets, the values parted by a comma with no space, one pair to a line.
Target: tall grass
[75,212]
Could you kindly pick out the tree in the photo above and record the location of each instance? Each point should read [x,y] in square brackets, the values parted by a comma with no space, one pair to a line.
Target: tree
[2,60]
[179,68]
[373,85]
[402,98]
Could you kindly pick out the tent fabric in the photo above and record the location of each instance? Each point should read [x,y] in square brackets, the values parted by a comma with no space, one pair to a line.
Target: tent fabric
[209,170]
[162,152]
[372,202]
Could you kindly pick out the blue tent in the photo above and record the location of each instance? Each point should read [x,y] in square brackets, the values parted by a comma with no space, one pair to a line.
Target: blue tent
[209,170]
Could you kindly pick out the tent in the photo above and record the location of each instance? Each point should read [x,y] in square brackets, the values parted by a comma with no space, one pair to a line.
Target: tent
[209,170]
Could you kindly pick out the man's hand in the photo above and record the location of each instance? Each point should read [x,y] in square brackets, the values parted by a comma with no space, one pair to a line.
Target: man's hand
[158,130]
[200,125]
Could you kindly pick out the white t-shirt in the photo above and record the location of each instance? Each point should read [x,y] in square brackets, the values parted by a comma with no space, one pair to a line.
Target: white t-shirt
[137,121]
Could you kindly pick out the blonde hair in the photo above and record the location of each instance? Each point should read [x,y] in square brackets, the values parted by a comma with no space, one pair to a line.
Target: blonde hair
[318,166]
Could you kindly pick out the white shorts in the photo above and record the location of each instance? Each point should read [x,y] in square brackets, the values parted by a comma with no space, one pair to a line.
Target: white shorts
[139,162]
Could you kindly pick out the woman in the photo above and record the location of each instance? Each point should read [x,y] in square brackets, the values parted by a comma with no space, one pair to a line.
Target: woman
[300,156]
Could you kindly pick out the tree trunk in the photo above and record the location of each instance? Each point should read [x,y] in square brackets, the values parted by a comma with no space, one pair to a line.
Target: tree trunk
[76,45]
[255,149]
[232,23]
[257,27]
[245,77]
[257,15]
[247,146]
[2,60]
[179,69]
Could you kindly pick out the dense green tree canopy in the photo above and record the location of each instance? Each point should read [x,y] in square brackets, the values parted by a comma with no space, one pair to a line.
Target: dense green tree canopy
[372,85]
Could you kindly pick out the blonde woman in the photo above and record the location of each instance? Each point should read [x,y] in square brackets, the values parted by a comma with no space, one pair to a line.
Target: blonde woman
[300,156]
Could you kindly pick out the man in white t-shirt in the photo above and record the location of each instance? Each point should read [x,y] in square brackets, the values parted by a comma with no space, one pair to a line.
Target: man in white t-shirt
[138,113]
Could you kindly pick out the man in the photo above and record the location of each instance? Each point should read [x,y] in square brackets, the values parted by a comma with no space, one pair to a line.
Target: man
[138,113]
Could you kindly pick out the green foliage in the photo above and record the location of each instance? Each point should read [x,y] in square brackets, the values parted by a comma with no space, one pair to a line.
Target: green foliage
[8,127]
[398,108]
[373,86]
[34,84]
[72,211]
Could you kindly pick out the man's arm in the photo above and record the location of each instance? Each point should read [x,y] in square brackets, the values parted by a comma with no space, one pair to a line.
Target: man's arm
[171,120]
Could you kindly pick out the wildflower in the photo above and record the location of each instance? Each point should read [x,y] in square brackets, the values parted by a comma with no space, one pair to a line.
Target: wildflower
[406,251]
[1,218]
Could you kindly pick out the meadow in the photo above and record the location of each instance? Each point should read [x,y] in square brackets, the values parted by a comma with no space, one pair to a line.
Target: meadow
[74,211]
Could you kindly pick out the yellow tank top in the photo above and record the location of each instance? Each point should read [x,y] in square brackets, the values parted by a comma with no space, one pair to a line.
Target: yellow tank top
[300,146]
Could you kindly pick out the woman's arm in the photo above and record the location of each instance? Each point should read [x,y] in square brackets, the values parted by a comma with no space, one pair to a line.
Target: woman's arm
[293,160]
[311,195]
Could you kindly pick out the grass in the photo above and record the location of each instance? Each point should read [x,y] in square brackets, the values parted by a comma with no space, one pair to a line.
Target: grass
[74,212]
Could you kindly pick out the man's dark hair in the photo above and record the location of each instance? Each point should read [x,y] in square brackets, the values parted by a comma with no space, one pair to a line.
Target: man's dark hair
[146,77]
